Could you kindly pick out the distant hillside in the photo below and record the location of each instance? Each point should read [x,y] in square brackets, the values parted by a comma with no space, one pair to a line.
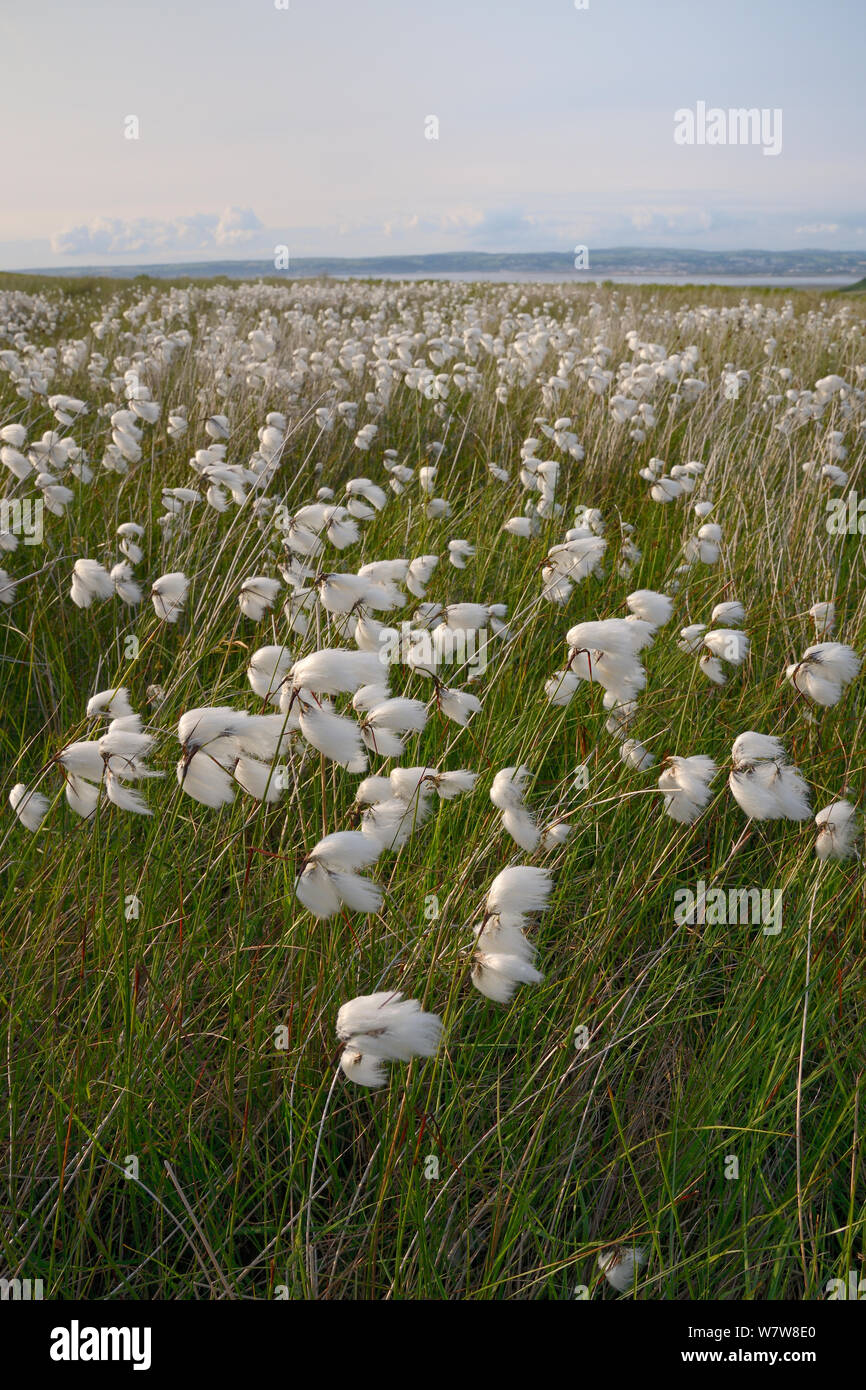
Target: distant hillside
[603,261]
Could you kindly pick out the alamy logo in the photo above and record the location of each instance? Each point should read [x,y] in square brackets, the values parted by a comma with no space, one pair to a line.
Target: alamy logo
[23,1290]
[846,516]
[76,1343]
[444,646]
[22,517]
[737,126]
[855,1287]
[738,906]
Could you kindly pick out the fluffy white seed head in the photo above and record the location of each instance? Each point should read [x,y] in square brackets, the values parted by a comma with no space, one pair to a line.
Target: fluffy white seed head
[31,807]
[838,829]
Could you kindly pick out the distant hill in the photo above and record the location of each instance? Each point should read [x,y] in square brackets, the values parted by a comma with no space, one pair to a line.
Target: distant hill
[621,260]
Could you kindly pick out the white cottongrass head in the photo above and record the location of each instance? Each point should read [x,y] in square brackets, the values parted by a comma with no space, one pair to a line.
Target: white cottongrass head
[385,725]
[621,1266]
[685,783]
[335,670]
[838,830]
[31,807]
[654,608]
[168,595]
[329,879]
[257,595]
[114,704]
[823,672]
[633,753]
[764,783]
[506,793]
[384,1027]
[457,705]
[504,956]
[268,672]
[722,645]
[731,613]
[334,735]
[90,580]
[824,616]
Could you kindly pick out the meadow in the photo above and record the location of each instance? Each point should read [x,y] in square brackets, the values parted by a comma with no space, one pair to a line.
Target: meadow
[609,1098]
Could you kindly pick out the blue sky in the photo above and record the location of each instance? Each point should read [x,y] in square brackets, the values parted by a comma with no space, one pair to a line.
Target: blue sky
[305,127]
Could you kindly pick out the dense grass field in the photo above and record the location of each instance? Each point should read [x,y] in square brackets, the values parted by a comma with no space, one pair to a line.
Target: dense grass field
[176,1124]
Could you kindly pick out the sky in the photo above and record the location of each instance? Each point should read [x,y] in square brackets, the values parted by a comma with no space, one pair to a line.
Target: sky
[224,129]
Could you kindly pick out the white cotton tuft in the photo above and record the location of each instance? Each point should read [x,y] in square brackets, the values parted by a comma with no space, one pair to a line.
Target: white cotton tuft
[83,759]
[90,580]
[335,670]
[125,585]
[314,889]
[391,717]
[561,686]
[732,613]
[410,782]
[519,889]
[712,668]
[824,671]
[506,793]
[635,755]
[364,1071]
[620,1266]
[126,798]
[205,780]
[727,644]
[838,828]
[267,672]
[692,638]
[389,822]
[358,894]
[621,677]
[556,834]
[82,796]
[520,825]
[344,850]
[457,705]
[613,636]
[824,615]
[31,807]
[366,697]
[334,735]
[451,784]
[257,595]
[763,783]
[214,727]
[656,609]
[384,1027]
[507,788]
[258,779]
[329,881]
[459,552]
[752,746]
[168,595]
[497,976]
[420,573]
[685,783]
[113,703]
[373,789]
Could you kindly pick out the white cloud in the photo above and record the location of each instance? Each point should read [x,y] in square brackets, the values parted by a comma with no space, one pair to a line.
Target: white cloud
[236,226]
[817,229]
[671,219]
[115,236]
[451,220]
